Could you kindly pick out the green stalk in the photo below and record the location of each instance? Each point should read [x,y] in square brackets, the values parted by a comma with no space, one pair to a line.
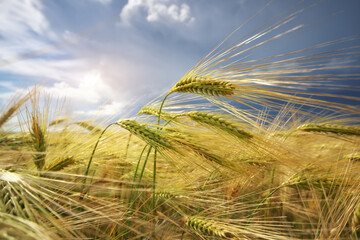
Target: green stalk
[161,106]
[154,172]
[268,196]
[136,170]
[141,175]
[154,180]
[262,202]
[137,165]
[143,168]
[92,155]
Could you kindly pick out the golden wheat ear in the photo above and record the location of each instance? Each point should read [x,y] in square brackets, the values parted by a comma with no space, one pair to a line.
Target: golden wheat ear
[208,227]
[203,85]
[88,126]
[149,135]
[14,106]
[155,112]
[60,163]
[219,122]
[13,227]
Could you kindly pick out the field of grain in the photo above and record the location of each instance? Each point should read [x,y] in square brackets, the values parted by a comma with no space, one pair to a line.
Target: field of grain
[236,149]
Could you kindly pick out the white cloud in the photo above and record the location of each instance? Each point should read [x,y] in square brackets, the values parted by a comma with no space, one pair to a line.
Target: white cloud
[164,11]
[91,88]
[24,34]
[67,70]
[23,27]
[22,16]
[110,109]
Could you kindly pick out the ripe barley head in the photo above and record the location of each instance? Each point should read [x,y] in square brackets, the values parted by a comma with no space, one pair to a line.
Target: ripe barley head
[217,121]
[330,128]
[155,112]
[209,227]
[204,85]
[149,135]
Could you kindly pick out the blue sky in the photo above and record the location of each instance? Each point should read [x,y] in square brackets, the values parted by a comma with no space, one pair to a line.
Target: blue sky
[106,56]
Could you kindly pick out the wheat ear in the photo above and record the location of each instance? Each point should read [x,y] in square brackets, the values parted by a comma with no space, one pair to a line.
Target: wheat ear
[330,128]
[219,122]
[149,135]
[88,126]
[10,195]
[60,163]
[155,112]
[209,227]
[204,85]
[39,143]
[352,157]
[6,116]
[164,195]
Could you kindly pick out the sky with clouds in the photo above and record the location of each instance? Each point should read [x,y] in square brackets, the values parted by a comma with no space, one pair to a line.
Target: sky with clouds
[106,56]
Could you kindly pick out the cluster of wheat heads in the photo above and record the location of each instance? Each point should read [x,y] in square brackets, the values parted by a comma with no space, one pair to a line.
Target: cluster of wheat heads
[235,150]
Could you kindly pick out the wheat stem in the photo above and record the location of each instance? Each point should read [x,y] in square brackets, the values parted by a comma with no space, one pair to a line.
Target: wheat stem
[154,181]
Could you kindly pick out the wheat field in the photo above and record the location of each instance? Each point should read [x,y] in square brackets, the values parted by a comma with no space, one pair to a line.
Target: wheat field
[236,149]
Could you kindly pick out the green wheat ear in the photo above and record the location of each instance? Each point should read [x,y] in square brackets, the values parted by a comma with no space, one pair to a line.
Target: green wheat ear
[149,135]
[330,128]
[60,163]
[352,157]
[155,112]
[204,85]
[217,121]
[39,143]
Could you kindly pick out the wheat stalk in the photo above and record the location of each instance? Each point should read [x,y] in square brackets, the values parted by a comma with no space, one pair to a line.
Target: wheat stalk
[204,85]
[217,121]
[330,128]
